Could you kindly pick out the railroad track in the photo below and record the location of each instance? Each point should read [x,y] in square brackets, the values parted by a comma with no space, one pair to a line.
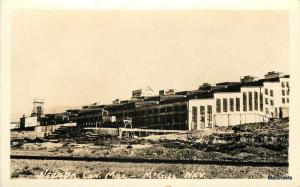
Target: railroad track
[161,161]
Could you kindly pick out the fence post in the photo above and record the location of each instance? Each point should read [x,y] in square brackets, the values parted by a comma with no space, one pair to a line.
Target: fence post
[228,119]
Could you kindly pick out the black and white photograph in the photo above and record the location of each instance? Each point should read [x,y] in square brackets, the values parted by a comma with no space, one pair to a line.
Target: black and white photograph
[150,94]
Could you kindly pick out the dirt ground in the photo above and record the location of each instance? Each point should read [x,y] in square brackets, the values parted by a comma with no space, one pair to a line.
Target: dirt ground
[251,142]
[101,170]
[263,142]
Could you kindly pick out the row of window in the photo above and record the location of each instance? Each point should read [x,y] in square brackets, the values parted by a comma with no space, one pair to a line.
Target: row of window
[202,116]
[287,100]
[285,84]
[267,92]
[177,108]
[166,109]
[237,106]
[276,114]
[287,92]
[271,101]
[161,119]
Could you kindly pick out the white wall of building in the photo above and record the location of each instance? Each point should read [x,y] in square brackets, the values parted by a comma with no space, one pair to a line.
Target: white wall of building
[31,121]
[15,125]
[279,100]
[197,123]
[248,111]
[227,117]
[252,109]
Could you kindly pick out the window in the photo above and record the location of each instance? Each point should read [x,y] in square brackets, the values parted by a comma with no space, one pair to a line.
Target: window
[194,114]
[244,101]
[183,107]
[267,111]
[155,120]
[250,101]
[288,92]
[283,100]
[271,102]
[183,117]
[237,104]
[283,92]
[176,118]
[163,110]
[162,119]
[266,91]
[202,117]
[218,105]
[224,105]
[287,84]
[266,101]
[209,116]
[261,102]
[255,101]
[169,109]
[287,100]
[231,104]
[282,84]
[271,93]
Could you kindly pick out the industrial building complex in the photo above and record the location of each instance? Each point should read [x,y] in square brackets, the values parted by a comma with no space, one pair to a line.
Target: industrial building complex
[249,100]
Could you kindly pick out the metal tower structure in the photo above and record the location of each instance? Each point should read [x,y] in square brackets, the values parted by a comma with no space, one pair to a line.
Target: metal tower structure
[38,108]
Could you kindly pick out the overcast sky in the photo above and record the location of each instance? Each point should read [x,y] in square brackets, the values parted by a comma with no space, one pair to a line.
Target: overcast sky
[72,58]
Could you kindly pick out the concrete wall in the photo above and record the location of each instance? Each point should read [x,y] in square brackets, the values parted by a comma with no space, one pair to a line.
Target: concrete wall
[31,122]
[104,131]
[42,131]
[236,119]
[14,125]
[285,112]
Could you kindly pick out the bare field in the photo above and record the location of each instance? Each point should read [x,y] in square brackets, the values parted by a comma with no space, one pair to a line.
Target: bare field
[101,170]
[267,142]
[264,142]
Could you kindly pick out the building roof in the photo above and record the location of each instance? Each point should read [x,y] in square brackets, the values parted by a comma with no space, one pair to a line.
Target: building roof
[231,88]
[204,91]
[201,95]
[227,83]
[186,92]
[153,98]
[275,79]
[253,83]
[173,100]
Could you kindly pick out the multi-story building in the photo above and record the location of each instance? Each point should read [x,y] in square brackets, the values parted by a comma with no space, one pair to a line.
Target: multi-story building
[231,105]
[276,96]
[240,103]
[222,104]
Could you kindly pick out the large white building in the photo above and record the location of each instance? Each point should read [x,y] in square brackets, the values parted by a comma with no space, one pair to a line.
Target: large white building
[234,103]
